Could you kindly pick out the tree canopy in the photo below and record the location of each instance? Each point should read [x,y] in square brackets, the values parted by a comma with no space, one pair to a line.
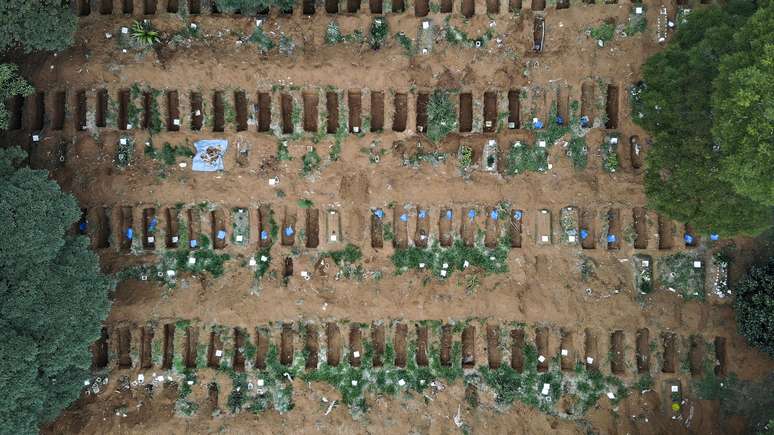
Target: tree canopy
[54,298]
[686,175]
[754,306]
[11,84]
[36,25]
[744,109]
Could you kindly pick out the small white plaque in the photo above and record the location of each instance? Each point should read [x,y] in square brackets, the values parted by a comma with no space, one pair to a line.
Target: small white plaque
[218,353]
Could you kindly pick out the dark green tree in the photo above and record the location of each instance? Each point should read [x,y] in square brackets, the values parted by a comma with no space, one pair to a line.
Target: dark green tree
[11,84]
[754,304]
[744,108]
[54,298]
[34,25]
[683,178]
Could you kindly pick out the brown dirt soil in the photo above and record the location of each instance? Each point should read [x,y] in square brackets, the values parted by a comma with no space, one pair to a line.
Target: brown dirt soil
[542,288]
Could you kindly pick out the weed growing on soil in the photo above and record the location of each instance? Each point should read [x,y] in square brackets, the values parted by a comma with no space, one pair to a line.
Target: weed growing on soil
[645,382]
[261,40]
[311,162]
[378,32]
[333,33]
[441,115]
[286,45]
[589,384]
[283,154]
[347,261]
[124,152]
[523,158]
[637,22]
[465,157]
[144,34]
[206,260]
[643,273]
[456,36]
[305,203]
[677,273]
[169,153]
[406,43]
[578,152]
[586,267]
[433,158]
[610,153]
[442,262]
[387,233]
[603,33]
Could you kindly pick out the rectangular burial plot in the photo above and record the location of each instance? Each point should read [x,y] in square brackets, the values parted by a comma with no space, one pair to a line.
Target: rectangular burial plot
[613,229]
[106,7]
[591,350]
[666,231]
[514,109]
[84,8]
[334,344]
[696,355]
[169,346]
[446,345]
[568,220]
[240,109]
[423,341]
[515,227]
[262,342]
[493,7]
[150,7]
[398,6]
[538,5]
[173,111]
[353,6]
[517,349]
[238,362]
[354,102]
[541,343]
[468,226]
[150,224]
[567,355]
[377,111]
[538,30]
[101,232]
[490,111]
[543,227]
[587,103]
[102,108]
[191,347]
[682,273]
[422,100]
[332,109]
[636,153]
[146,340]
[643,351]
[219,117]
[492,235]
[399,343]
[197,111]
[617,352]
[312,228]
[468,8]
[612,107]
[172,219]
[400,228]
[669,360]
[332,6]
[311,101]
[99,351]
[214,350]
[308,7]
[218,228]
[123,109]
[422,234]
[81,111]
[333,226]
[378,343]
[289,228]
[720,356]
[640,228]
[240,226]
[447,6]
[355,345]
[421,8]
[39,113]
[466,112]
[312,347]
[375,6]
[194,227]
[377,228]
[400,114]
[445,222]
[286,345]
[469,347]
[690,237]
[124,348]
[494,355]
[264,224]
[263,109]
[643,273]
[60,108]
[127,230]
[173,6]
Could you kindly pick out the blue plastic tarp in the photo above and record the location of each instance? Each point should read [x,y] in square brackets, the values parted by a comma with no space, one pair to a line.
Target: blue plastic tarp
[209,155]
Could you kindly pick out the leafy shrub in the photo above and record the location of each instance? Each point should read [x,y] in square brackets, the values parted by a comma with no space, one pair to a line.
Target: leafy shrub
[333,33]
[379,31]
[262,40]
[441,115]
[604,32]
[144,34]
[754,306]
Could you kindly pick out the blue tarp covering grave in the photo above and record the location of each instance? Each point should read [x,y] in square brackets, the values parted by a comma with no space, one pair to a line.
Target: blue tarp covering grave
[209,155]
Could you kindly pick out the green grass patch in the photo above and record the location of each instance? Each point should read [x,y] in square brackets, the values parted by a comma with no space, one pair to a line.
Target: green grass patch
[677,272]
